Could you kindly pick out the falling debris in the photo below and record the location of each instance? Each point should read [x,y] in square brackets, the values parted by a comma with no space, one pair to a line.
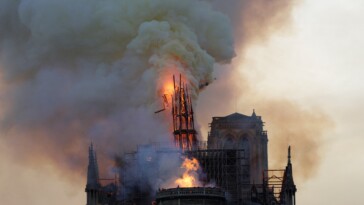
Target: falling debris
[165,104]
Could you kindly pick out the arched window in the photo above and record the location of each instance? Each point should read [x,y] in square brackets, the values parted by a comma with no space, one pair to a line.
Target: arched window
[245,145]
[229,142]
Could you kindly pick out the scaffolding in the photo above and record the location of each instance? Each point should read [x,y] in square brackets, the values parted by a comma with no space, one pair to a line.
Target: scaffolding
[227,168]
[183,122]
[272,185]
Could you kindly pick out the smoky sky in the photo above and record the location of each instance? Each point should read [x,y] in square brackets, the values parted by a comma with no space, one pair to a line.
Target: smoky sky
[287,121]
[76,71]
[89,70]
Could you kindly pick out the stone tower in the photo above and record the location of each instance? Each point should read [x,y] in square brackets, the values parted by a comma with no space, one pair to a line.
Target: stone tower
[238,131]
[93,186]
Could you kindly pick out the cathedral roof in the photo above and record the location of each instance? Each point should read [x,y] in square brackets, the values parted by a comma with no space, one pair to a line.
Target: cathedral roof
[241,117]
[236,115]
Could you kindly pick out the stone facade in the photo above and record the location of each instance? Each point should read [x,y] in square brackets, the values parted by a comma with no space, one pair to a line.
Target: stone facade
[235,160]
[238,131]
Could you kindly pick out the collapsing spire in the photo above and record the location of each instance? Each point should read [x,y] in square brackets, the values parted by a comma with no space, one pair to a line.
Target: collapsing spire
[182,112]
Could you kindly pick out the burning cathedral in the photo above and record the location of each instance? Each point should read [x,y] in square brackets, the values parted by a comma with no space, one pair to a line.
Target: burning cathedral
[231,168]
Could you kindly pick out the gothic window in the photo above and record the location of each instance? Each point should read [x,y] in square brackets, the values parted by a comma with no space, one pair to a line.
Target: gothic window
[245,145]
[229,142]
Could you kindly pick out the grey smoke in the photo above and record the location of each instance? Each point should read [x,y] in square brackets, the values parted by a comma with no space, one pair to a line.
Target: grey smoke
[73,71]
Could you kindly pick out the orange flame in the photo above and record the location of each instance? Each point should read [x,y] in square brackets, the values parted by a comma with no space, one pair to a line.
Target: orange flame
[189,177]
[168,88]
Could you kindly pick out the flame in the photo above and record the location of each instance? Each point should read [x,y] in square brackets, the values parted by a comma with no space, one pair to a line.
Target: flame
[166,91]
[189,177]
[168,88]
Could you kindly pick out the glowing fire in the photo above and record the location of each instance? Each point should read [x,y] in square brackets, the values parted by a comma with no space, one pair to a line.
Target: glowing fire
[168,88]
[189,177]
[166,92]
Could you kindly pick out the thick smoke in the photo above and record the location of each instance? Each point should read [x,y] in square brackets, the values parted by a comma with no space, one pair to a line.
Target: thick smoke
[73,71]
[255,20]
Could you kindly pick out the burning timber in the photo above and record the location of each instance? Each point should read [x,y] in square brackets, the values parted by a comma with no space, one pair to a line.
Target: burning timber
[231,168]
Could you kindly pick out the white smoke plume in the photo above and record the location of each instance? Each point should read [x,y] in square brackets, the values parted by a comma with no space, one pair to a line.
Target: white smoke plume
[72,71]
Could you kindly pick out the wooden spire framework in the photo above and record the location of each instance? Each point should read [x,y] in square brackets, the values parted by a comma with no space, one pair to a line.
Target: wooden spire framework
[183,123]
